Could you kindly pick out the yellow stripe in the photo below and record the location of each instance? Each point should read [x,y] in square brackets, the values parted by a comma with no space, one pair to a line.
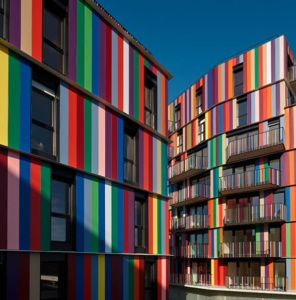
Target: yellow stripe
[212,272]
[4,95]
[101,283]
[154,224]
[207,125]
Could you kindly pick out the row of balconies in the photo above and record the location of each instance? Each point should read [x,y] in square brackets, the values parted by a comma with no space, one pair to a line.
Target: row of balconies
[233,282]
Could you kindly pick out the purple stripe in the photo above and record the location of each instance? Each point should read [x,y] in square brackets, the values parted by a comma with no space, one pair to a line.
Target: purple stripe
[278,97]
[131,80]
[72,39]
[272,60]
[150,66]
[15,23]
[102,59]
[131,221]
[108,143]
[141,159]
[249,106]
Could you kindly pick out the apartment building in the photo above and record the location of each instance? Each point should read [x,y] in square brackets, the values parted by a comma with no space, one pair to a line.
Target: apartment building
[232,178]
[83,156]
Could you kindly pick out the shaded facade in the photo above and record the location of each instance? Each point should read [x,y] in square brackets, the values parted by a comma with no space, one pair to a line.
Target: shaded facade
[83,156]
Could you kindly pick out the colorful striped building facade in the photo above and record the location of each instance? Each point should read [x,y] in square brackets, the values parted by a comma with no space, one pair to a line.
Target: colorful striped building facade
[83,156]
[232,175]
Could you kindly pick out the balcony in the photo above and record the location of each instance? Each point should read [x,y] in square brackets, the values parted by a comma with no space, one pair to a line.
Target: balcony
[170,127]
[255,180]
[171,153]
[251,249]
[191,251]
[191,279]
[192,165]
[292,77]
[262,144]
[274,212]
[189,195]
[257,283]
[291,100]
[190,223]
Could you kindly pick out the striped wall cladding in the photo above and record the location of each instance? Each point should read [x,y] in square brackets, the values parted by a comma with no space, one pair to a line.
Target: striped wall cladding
[262,66]
[90,276]
[288,237]
[288,174]
[105,218]
[262,104]
[100,59]
[290,124]
[91,139]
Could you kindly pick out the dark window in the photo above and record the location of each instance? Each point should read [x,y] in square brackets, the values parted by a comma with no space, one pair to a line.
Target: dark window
[4,20]
[238,80]
[202,129]
[150,99]
[130,153]
[273,124]
[180,142]
[242,112]
[1,18]
[53,277]
[54,34]
[2,275]
[178,117]
[150,280]
[198,109]
[141,224]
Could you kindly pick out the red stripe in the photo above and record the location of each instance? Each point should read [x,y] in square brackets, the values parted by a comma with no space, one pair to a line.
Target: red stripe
[71,277]
[159,275]
[80,131]
[141,114]
[35,206]
[87,277]
[141,278]
[72,150]
[114,146]
[125,224]
[150,220]
[260,66]
[114,277]
[108,64]
[3,198]
[146,160]
[120,71]
[37,29]
[24,276]
[151,163]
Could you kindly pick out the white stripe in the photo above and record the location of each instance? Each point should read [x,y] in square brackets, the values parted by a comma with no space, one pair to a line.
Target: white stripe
[108,216]
[268,63]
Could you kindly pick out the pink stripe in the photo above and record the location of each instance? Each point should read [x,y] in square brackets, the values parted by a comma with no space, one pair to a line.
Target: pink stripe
[163,279]
[13,201]
[102,139]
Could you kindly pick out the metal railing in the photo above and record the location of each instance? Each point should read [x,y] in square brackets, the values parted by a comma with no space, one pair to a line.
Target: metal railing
[258,213]
[255,142]
[170,127]
[249,179]
[251,249]
[191,251]
[190,222]
[190,192]
[191,279]
[170,151]
[256,283]
[190,163]
[292,73]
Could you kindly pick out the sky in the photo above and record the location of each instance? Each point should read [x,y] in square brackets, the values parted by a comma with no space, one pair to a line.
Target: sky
[189,37]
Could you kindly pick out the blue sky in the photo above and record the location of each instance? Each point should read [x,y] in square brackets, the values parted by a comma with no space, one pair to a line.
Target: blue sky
[189,37]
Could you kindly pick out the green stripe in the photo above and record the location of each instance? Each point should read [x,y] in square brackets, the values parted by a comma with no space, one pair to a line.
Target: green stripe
[114,224]
[190,136]
[136,84]
[87,134]
[131,278]
[80,43]
[164,168]
[288,240]
[215,212]
[146,62]
[14,101]
[45,206]
[256,68]
[220,150]
[88,48]
[218,242]
[95,214]
[158,225]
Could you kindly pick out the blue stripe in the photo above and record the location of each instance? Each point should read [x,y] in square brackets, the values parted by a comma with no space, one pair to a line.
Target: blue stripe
[24,203]
[79,212]
[94,277]
[95,53]
[288,202]
[114,67]
[94,137]
[120,218]
[64,112]
[79,276]
[155,174]
[108,277]
[87,213]
[101,215]
[125,278]
[120,148]
[220,118]
[25,106]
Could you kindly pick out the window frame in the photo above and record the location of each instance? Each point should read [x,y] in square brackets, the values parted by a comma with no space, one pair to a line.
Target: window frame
[240,101]
[198,97]
[237,69]
[201,134]
[153,264]
[64,33]
[5,25]
[178,120]
[180,146]
[150,76]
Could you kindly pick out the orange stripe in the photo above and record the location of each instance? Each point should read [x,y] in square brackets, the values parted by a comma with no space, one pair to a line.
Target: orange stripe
[230,80]
[219,83]
[292,203]
[268,104]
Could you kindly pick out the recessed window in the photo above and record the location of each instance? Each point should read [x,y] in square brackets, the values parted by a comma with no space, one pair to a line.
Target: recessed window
[274,163]
[141,224]
[53,277]
[4,22]
[242,112]
[202,129]
[178,117]
[150,280]
[130,153]
[54,34]
[275,234]
[198,109]
[238,80]
[150,99]
[3,275]
[180,142]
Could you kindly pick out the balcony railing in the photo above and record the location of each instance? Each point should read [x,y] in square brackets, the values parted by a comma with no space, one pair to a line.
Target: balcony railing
[190,222]
[191,279]
[171,153]
[251,249]
[170,127]
[292,73]
[256,145]
[257,283]
[191,251]
[291,100]
[249,181]
[253,214]
[190,194]
[192,165]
